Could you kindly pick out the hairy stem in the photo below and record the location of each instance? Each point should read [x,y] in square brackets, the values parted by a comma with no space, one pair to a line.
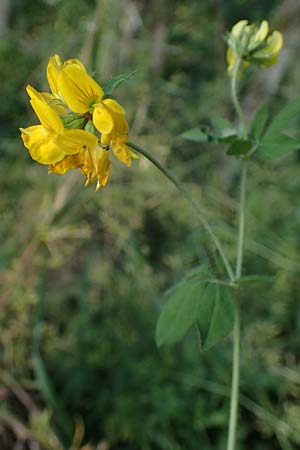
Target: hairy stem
[192,202]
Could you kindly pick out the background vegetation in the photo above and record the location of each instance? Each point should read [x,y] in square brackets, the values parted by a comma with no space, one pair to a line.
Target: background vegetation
[83,274]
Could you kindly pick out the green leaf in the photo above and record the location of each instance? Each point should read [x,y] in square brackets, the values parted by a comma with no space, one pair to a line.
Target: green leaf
[195,135]
[247,280]
[180,312]
[283,118]
[276,146]
[215,315]
[228,139]
[259,122]
[239,147]
[223,127]
[112,85]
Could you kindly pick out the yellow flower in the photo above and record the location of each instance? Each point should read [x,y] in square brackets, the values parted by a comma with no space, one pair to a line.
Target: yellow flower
[49,142]
[54,67]
[252,44]
[82,93]
[76,101]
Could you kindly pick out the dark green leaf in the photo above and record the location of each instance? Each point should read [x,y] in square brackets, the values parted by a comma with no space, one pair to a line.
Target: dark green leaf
[228,139]
[112,85]
[239,147]
[180,312]
[283,119]
[215,315]
[259,122]
[195,135]
[276,146]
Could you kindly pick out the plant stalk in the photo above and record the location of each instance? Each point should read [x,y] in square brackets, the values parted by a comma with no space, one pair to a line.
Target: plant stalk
[235,99]
[234,397]
[192,202]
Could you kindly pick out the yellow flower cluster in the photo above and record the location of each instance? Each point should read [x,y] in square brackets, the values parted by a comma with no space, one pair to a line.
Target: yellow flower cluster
[78,125]
[251,44]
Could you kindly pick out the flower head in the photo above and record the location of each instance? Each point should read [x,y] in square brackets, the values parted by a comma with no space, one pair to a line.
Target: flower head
[79,124]
[249,43]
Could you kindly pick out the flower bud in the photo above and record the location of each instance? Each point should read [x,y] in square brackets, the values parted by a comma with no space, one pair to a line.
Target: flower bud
[252,44]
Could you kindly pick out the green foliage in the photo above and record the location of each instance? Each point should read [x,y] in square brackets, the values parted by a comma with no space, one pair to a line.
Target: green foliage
[181,311]
[196,301]
[274,144]
[215,315]
[239,147]
[115,82]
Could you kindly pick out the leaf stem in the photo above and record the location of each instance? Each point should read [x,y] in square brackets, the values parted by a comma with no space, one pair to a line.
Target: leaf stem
[192,202]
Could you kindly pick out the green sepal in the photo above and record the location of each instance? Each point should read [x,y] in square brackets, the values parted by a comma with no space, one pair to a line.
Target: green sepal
[73,121]
[90,127]
[239,147]
[115,82]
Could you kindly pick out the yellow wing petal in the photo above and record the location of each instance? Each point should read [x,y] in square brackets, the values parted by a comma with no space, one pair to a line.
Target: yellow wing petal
[33,134]
[78,89]
[46,152]
[72,141]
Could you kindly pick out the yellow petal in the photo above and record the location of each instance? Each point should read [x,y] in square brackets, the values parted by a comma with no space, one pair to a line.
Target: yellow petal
[75,62]
[47,115]
[105,139]
[262,32]
[274,43]
[122,152]
[78,89]
[52,101]
[102,164]
[69,162]
[46,152]
[53,70]
[268,55]
[238,28]
[72,141]
[114,106]
[102,119]
[33,134]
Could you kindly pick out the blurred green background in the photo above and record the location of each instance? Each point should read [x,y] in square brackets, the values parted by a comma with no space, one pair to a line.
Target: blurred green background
[83,274]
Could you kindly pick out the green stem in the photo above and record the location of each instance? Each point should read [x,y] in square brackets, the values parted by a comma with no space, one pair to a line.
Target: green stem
[234,398]
[235,99]
[192,202]
[240,247]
